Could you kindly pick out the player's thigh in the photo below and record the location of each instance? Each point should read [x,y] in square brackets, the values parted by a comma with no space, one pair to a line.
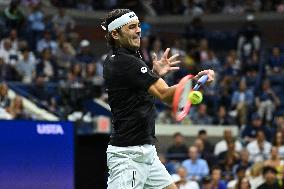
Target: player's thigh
[125,173]
[159,177]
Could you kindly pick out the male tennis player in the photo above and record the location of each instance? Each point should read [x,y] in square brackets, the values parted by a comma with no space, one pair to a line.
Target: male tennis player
[131,85]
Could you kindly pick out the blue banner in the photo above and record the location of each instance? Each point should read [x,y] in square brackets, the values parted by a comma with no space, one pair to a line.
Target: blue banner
[36,155]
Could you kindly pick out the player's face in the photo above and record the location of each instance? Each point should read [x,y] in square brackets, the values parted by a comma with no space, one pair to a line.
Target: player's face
[129,37]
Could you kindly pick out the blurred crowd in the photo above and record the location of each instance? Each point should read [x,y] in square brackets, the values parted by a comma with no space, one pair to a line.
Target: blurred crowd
[48,59]
[178,7]
[231,163]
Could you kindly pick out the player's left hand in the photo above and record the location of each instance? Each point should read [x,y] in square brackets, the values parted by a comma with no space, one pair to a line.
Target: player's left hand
[165,64]
[210,73]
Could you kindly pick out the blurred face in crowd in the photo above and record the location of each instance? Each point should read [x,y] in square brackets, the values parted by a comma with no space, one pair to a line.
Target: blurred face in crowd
[275,51]
[216,174]
[228,134]
[243,85]
[202,109]
[260,136]
[145,42]
[179,139]
[3,89]
[279,138]
[244,155]
[193,153]
[244,183]
[182,172]
[222,112]
[129,35]
[274,152]
[257,122]
[13,34]
[199,144]
[270,177]
[7,44]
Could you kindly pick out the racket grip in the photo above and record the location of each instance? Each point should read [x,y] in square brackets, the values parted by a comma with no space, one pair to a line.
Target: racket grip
[200,82]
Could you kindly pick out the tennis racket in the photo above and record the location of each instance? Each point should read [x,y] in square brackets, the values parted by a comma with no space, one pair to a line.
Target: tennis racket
[181,103]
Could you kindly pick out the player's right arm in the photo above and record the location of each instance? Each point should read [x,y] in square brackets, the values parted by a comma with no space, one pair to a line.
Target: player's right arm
[161,90]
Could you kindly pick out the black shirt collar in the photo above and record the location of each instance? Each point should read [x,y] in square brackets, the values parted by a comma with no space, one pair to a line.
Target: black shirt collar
[125,50]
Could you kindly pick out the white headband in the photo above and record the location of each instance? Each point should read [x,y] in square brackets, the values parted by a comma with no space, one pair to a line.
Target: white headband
[121,21]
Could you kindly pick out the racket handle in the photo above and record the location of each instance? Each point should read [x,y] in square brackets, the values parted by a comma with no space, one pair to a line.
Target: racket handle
[200,82]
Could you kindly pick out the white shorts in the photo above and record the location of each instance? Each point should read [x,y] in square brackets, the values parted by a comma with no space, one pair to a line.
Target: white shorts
[136,167]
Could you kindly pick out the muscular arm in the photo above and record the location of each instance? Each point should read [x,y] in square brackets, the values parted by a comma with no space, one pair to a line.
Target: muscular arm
[161,90]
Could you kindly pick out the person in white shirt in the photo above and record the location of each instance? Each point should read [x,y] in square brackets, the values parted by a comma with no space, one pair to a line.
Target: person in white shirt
[259,149]
[222,145]
[185,183]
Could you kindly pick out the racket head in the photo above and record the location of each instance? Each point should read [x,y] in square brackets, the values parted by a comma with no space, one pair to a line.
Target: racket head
[181,104]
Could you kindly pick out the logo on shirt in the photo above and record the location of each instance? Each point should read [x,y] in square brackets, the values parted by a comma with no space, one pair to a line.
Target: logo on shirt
[143,69]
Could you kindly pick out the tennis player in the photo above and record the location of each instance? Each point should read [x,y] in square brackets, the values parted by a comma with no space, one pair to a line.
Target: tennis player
[131,85]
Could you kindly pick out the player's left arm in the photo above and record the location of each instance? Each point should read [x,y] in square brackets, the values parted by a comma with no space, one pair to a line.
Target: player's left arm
[164,65]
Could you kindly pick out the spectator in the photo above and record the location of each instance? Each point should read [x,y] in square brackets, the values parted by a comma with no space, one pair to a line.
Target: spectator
[266,101]
[240,173]
[227,166]
[13,16]
[203,154]
[62,22]
[65,54]
[222,117]
[255,175]
[13,37]
[233,7]
[178,150]
[242,101]
[201,117]
[275,161]
[249,132]
[40,89]
[259,149]
[243,183]
[47,43]
[244,161]
[196,167]
[222,145]
[36,24]
[184,182]
[230,152]
[16,109]
[157,48]
[4,100]
[26,66]
[249,38]
[276,61]
[206,183]
[192,9]
[91,75]
[216,181]
[9,55]
[85,54]
[202,134]
[271,182]
[47,66]
[7,72]
[278,142]
[212,62]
